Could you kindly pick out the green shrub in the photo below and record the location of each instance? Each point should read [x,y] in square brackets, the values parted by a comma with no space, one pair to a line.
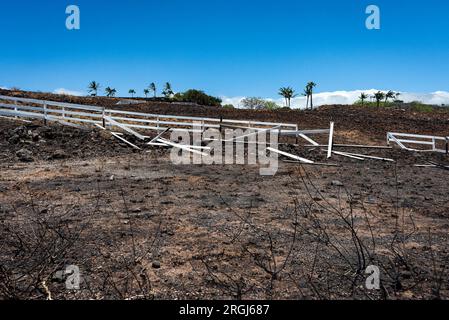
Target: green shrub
[270,105]
[415,106]
[228,106]
[420,107]
[255,103]
[198,97]
[373,104]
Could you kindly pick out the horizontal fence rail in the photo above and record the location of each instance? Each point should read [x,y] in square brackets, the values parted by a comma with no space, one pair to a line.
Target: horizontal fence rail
[65,112]
[402,139]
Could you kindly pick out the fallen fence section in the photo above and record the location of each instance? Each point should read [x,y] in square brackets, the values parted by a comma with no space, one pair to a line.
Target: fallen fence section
[314,164]
[402,139]
[351,146]
[125,141]
[440,166]
[347,155]
[182,147]
[368,157]
[289,155]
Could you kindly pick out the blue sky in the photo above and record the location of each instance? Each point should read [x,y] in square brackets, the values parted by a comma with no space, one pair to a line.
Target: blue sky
[226,47]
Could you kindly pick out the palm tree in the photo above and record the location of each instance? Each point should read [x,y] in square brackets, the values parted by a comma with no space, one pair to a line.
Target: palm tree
[110,92]
[152,88]
[309,89]
[363,97]
[132,92]
[93,88]
[146,92]
[288,93]
[168,92]
[307,94]
[379,96]
[390,95]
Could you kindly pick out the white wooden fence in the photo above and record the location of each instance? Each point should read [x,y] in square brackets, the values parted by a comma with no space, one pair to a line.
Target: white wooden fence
[431,142]
[69,113]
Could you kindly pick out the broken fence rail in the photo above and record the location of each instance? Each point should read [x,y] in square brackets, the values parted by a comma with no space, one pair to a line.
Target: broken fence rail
[401,139]
[289,155]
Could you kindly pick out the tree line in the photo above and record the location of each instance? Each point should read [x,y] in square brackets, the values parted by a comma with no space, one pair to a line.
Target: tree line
[190,96]
[199,97]
[94,89]
[379,96]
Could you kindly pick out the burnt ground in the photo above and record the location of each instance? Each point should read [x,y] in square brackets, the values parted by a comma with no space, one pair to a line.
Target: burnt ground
[140,227]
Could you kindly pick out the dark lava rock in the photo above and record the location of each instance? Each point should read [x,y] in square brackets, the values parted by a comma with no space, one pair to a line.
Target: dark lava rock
[156,264]
[14,139]
[58,155]
[337,183]
[58,277]
[25,155]
[45,132]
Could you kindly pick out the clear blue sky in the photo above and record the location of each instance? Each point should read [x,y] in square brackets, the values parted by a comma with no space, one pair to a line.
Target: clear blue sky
[226,47]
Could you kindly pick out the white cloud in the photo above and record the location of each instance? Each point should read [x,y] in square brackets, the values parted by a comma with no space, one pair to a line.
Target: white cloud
[68,92]
[349,97]
[4,88]
[437,97]
[235,101]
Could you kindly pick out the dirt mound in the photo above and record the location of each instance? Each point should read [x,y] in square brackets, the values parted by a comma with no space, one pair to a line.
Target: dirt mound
[31,142]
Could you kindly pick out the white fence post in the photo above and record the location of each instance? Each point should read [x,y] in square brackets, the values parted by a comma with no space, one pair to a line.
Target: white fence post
[447,145]
[45,113]
[103,114]
[331,140]
[297,134]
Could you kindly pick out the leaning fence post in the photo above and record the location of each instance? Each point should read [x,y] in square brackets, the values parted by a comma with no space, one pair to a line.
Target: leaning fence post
[104,121]
[15,109]
[45,114]
[331,140]
[221,128]
[447,145]
[297,134]
[202,129]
